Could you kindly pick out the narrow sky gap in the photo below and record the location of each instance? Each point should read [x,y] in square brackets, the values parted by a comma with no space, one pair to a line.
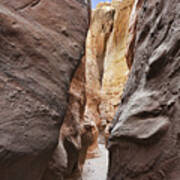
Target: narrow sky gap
[95,2]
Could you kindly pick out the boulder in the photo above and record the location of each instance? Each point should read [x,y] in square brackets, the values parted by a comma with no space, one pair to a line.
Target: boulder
[99,32]
[115,67]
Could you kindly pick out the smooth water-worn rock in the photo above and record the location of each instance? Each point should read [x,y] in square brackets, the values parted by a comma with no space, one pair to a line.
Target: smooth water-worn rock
[41,44]
[145,136]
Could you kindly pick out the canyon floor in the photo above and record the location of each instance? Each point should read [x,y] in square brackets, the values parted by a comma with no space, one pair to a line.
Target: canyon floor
[96,169]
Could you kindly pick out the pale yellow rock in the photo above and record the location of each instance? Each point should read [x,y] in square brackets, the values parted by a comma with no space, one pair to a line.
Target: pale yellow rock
[100,30]
[106,67]
[115,67]
[132,31]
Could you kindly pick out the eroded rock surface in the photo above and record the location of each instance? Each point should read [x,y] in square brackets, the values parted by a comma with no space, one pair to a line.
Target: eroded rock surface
[144,141]
[41,44]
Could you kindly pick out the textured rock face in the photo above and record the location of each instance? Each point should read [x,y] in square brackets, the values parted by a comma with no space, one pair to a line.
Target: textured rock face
[73,130]
[144,141]
[40,48]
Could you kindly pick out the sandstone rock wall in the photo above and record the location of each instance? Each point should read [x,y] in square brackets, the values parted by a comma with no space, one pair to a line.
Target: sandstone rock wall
[100,29]
[144,141]
[41,44]
[115,67]
[73,130]
[106,68]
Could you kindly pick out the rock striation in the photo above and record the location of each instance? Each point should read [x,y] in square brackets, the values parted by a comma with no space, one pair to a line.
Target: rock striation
[41,44]
[144,141]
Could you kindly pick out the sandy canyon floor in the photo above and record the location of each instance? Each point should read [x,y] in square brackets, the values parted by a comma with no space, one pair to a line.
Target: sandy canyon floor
[96,169]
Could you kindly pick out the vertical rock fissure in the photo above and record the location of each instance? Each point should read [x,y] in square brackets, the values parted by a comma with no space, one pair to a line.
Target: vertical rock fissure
[106,73]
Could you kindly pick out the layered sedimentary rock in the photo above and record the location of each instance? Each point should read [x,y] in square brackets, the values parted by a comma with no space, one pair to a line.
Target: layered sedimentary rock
[106,68]
[41,44]
[145,141]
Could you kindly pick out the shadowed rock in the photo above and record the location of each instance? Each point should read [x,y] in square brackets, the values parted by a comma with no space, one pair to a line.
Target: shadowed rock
[75,135]
[145,141]
[41,44]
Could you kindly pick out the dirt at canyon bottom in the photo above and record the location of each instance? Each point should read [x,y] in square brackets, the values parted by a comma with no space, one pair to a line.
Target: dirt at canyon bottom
[96,168]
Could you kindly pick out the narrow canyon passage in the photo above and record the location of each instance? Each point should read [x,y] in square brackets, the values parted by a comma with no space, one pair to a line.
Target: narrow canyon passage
[75,80]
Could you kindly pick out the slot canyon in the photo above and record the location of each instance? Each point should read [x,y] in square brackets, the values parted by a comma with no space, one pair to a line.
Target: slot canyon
[89,93]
